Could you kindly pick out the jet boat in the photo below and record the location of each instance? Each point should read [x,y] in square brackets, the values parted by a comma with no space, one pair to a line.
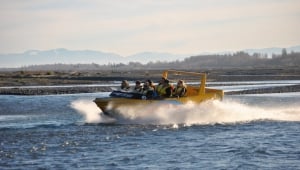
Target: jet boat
[195,92]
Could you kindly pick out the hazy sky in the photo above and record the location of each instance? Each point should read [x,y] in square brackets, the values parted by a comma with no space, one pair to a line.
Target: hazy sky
[130,26]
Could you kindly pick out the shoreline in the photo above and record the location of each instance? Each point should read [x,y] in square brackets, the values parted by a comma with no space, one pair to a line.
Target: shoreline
[71,82]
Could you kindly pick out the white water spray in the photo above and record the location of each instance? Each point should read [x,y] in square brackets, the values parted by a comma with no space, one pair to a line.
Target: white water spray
[90,111]
[209,112]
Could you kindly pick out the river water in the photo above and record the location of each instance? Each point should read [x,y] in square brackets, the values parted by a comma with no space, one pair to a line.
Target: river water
[254,131]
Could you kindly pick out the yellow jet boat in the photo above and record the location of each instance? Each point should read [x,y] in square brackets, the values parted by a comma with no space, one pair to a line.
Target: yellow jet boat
[195,92]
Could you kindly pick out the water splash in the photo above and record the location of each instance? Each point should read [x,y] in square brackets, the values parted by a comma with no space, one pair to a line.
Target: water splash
[91,113]
[210,112]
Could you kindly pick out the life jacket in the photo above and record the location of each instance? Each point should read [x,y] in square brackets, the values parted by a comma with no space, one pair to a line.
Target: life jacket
[165,91]
[150,93]
[159,89]
[146,90]
[179,91]
[138,89]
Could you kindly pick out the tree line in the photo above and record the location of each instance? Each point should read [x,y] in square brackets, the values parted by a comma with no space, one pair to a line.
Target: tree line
[217,61]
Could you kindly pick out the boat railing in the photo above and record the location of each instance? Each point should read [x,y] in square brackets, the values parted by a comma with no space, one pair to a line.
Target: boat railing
[191,90]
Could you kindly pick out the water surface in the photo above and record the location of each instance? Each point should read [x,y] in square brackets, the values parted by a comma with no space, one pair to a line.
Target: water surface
[256,131]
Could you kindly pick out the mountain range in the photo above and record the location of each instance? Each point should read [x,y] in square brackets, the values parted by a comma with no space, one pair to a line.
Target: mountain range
[64,56]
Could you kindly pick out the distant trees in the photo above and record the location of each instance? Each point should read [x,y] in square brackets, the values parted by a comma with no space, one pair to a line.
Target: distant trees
[284,52]
[234,60]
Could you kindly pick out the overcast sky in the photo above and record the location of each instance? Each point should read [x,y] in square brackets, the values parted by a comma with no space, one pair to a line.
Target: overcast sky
[127,27]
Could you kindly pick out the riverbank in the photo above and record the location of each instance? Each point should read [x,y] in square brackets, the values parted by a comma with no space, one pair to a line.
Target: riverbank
[62,82]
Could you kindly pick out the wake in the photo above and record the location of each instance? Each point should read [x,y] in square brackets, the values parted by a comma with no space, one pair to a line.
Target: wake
[91,113]
[210,112]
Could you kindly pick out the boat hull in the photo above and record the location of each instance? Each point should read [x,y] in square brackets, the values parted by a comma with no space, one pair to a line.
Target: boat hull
[110,105]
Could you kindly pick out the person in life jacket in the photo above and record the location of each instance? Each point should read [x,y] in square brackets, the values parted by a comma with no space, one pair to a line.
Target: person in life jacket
[125,85]
[138,87]
[165,90]
[151,84]
[148,91]
[160,85]
[180,89]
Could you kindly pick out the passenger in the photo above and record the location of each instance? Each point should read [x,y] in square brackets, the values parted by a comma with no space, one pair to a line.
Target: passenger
[160,85]
[125,85]
[138,87]
[148,91]
[180,89]
[151,84]
[166,89]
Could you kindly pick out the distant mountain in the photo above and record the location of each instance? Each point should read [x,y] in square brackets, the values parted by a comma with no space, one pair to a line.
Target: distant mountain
[64,56]
[147,57]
